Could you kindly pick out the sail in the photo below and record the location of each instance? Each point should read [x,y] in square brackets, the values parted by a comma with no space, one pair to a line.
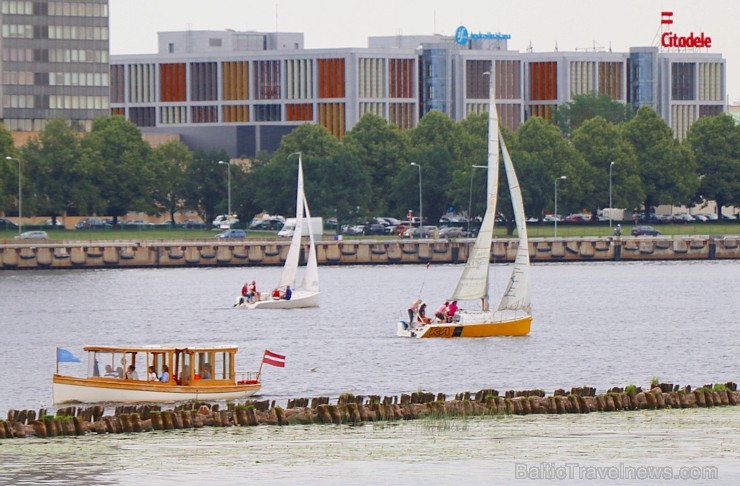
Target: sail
[473,283]
[311,277]
[294,252]
[517,294]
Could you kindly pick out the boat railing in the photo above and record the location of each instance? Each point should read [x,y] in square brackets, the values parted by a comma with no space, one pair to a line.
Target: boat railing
[246,377]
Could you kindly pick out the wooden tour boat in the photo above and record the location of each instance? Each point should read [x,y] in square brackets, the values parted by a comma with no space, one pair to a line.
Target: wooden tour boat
[159,374]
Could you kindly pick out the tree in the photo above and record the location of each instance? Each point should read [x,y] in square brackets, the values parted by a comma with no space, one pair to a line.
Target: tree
[601,143]
[8,171]
[667,168]
[121,168]
[571,115]
[205,187]
[541,155]
[381,150]
[715,141]
[170,162]
[58,178]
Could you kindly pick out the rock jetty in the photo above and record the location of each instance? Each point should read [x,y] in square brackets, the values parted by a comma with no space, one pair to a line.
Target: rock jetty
[351,409]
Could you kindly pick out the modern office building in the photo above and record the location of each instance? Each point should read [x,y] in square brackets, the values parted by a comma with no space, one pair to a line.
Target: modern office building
[54,62]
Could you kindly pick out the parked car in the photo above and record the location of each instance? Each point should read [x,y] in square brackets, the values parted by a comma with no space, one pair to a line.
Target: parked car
[429,232]
[32,235]
[194,224]
[223,220]
[374,229]
[232,233]
[681,218]
[135,222]
[645,231]
[577,218]
[451,232]
[701,218]
[48,223]
[93,223]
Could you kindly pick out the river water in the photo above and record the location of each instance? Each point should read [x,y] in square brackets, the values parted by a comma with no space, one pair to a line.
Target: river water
[595,324]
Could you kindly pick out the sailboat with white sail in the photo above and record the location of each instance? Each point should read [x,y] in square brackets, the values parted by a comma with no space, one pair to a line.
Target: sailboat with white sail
[513,316]
[307,293]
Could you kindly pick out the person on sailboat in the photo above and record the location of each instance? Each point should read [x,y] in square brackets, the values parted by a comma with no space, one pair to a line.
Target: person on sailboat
[413,311]
[252,294]
[451,311]
[441,313]
[422,316]
[288,293]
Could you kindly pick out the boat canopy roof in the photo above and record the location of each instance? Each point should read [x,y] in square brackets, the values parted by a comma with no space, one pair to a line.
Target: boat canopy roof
[160,348]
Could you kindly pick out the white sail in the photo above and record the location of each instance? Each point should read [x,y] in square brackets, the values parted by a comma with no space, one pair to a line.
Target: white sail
[473,283]
[294,252]
[517,294]
[311,277]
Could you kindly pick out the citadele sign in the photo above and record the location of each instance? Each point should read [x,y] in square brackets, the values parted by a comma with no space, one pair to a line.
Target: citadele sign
[669,39]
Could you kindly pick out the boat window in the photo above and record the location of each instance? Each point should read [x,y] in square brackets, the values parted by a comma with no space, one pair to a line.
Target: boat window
[110,364]
[223,366]
[157,360]
[183,376]
[203,365]
[93,365]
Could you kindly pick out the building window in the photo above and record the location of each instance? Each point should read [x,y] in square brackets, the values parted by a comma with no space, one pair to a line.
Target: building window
[267,113]
[214,42]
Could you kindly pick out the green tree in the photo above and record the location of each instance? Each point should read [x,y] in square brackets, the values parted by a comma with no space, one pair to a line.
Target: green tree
[666,167]
[571,115]
[59,179]
[715,141]
[8,172]
[541,155]
[205,187]
[170,163]
[601,143]
[381,150]
[121,168]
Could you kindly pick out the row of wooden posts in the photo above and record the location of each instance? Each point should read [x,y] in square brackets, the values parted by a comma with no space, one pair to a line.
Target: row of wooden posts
[351,409]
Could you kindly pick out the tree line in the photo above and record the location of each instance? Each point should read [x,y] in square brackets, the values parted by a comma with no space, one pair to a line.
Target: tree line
[111,170]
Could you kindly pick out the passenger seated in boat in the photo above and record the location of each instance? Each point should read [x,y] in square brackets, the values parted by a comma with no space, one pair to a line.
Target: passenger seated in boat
[252,293]
[422,316]
[244,297]
[165,374]
[111,373]
[276,294]
[206,373]
[131,373]
[152,375]
[441,313]
[287,294]
[452,311]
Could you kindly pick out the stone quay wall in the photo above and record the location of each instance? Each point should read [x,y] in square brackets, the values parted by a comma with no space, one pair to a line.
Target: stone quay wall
[183,253]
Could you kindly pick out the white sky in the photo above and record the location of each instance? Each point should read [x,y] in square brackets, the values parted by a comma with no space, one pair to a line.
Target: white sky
[572,24]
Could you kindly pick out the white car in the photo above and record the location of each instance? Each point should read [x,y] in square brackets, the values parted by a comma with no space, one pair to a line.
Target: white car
[32,235]
[223,220]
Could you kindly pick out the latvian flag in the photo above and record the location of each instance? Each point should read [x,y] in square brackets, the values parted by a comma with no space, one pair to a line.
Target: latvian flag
[273,359]
[666,18]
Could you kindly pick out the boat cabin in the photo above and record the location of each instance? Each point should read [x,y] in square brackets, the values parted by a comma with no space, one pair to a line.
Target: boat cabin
[184,365]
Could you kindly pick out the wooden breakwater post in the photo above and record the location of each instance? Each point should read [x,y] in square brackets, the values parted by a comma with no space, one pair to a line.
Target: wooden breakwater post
[350,409]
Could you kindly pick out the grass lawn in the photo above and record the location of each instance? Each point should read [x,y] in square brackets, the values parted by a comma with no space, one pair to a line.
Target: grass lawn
[535,231]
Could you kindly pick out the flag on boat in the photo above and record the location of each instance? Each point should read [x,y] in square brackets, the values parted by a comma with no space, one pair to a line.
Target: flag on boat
[273,359]
[64,356]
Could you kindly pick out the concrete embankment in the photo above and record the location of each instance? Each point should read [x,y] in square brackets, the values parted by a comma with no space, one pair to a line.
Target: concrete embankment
[350,409]
[184,253]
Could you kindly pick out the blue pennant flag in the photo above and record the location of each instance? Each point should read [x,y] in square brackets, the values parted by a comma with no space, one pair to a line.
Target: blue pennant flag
[64,356]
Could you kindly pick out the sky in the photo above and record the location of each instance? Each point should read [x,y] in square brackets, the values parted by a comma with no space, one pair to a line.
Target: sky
[568,24]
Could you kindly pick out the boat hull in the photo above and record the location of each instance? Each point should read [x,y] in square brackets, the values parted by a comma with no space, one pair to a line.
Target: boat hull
[92,390]
[299,300]
[509,327]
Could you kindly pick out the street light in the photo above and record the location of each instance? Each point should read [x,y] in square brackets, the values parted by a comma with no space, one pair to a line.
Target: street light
[611,164]
[470,201]
[556,203]
[20,194]
[228,170]
[421,214]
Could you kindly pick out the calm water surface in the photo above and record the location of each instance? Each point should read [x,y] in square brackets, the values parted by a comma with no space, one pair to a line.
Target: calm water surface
[596,324]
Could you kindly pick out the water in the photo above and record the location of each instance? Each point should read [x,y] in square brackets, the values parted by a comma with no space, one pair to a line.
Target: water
[595,324]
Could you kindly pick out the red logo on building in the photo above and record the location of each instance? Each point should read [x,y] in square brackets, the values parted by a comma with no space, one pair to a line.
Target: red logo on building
[669,39]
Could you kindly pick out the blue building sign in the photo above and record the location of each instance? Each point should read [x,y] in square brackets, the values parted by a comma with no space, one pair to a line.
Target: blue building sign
[462,36]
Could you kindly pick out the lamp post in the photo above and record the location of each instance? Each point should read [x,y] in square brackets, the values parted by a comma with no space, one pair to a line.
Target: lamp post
[421,214]
[556,203]
[611,164]
[228,170]
[470,200]
[20,194]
